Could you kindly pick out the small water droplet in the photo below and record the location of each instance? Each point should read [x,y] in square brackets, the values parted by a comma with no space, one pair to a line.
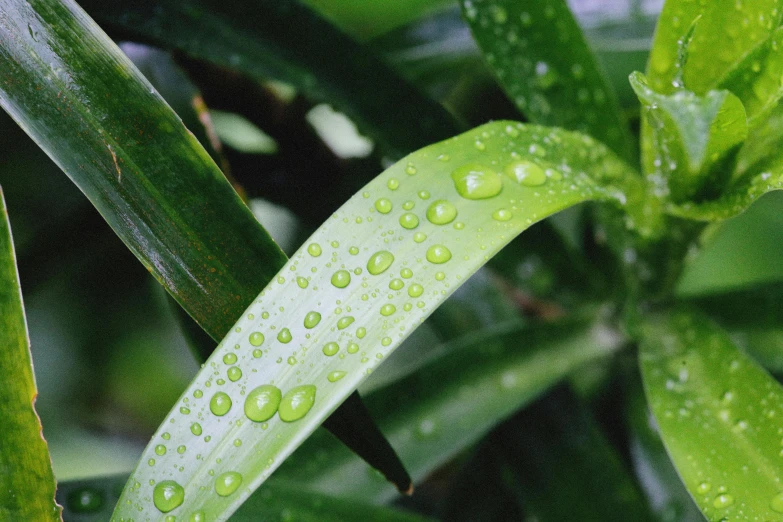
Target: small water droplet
[393,184]
[723,501]
[409,221]
[352,348]
[776,504]
[284,336]
[424,194]
[438,254]
[415,290]
[526,173]
[168,495]
[410,169]
[302,282]
[311,320]
[85,500]
[335,376]
[220,404]
[331,349]
[256,338]
[396,284]
[474,181]
[502,214]
[296,403]
[195,429]
[230,358]
[388,309]
[198,516]
[160,449]
[257,353]
[379,262]
[181,449]
[406,273]
[341,279]
[383,205]
[262,402]
[441,212]
[361,332]
[314,249]
[703,488]
[227,483]
[419,237]
[234,374]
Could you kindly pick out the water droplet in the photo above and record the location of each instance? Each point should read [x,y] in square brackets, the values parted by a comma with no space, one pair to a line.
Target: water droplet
[388,309]
[383,205]
[341,279]
[723,501]
[502,214]
[396,284]
[335,244]
[406,273]
[331,349]
[284,336]
[344,322]
[353,348]
[166,436]
[302,282]
[393,184]
[234,374]
[262,402]
[297,402]
[441,212]
[408,205]
[220,404]
[419,237]
[160,449]
[703,488]
[195,429]
[424,194]
[438,254]
[410,169]
[181,449]
[168,495]
[777,503]
[409,221]
[546,77]
[184,410]
[257,353]
[361,332]
[230,358]
[311,320]
[227,483]
[198,516]
[440,276]
[379,262]
[526,173]
[256,338]
[353,250]
[335,376]
[474,181]
[291,360]
[314,249]
[415,290]
[85,500]
[386,341]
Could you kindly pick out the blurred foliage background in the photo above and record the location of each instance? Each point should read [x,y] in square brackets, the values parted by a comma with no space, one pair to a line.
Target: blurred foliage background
[110,357]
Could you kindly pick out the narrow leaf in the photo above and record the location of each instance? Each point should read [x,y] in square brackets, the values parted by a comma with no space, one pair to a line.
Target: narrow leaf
[718,414]
[436,413]
[727,31]
[542,60]
[26,479]
[286,41]
[346,299]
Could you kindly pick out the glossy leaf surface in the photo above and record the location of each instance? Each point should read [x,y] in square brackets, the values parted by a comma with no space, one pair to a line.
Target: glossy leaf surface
[350,295]
[284,40]
[449,404]
[26,480]
[542,60]
[726,32]
[99,119]
[718,414]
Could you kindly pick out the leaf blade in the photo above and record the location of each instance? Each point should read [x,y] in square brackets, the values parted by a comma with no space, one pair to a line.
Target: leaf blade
[27,483]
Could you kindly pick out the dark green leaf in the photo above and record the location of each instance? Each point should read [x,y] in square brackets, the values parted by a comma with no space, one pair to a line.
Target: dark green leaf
[286,41]
[542,60]
[719,415]
[26,479]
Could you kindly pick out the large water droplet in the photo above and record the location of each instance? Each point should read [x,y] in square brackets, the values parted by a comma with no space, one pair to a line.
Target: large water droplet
[777,503]
[438,254]
[256,338]
[383,205]
[284,336]
[526,173]
[341,279]
[234,374]
[314,249]
[415,290]
[85,500]
[380,262]
[296,403]
[311,320]
[160,449]
[302,282]
[227,483]
[198,516]
[474,181]
[388,309]
[396,284]
[331,349]
[168,495]
[195,429]
[409,221]
[344,322]
[723,501]
[220,404]
[441,212]
[230,358]
[262,403]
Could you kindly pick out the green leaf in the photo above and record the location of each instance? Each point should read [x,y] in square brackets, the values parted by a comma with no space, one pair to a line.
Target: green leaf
[26,479]
[727,31]
[435,413]
[379,266]
[87,106]
[695,139]
[554,461]
[284,40]
[719,416]
[92,500]
[542,60]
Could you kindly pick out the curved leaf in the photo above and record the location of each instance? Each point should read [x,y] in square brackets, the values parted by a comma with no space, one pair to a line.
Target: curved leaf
[718,414]
[540,57]
[727,31]
[346,299]
[286,41]
[26,479]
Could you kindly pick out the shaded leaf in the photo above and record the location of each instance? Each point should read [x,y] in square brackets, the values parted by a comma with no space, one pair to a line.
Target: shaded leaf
[26,479]
[719,415]
[542,60]
[392,254]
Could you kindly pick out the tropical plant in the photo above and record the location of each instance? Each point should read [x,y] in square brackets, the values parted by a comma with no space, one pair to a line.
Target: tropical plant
[587,372]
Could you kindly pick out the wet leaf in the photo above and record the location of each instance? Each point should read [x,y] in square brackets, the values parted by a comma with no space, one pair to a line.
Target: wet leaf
[26,481]
[379,266]
[719,415]
[542,60]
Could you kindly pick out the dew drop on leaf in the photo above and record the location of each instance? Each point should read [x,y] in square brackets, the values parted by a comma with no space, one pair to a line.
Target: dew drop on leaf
[474,181]
[284,336]
[353,348]
[296,403]
[396,284]
[335,376]
[383,205]
[302,282]
[409,221]
[776,504]
[234,374]
[230,358]
[723,501]
[526,173]
[388,309]
[379,262]
[341,279]
[227,483]
[502,214]
[415,290]
[331,349]
[220,404]
[311,320]
[256,338]
[344,322]
[262,402]
[168,495]
[160,449]
[314,249]
[195,429]
[441,212]
[438,254]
